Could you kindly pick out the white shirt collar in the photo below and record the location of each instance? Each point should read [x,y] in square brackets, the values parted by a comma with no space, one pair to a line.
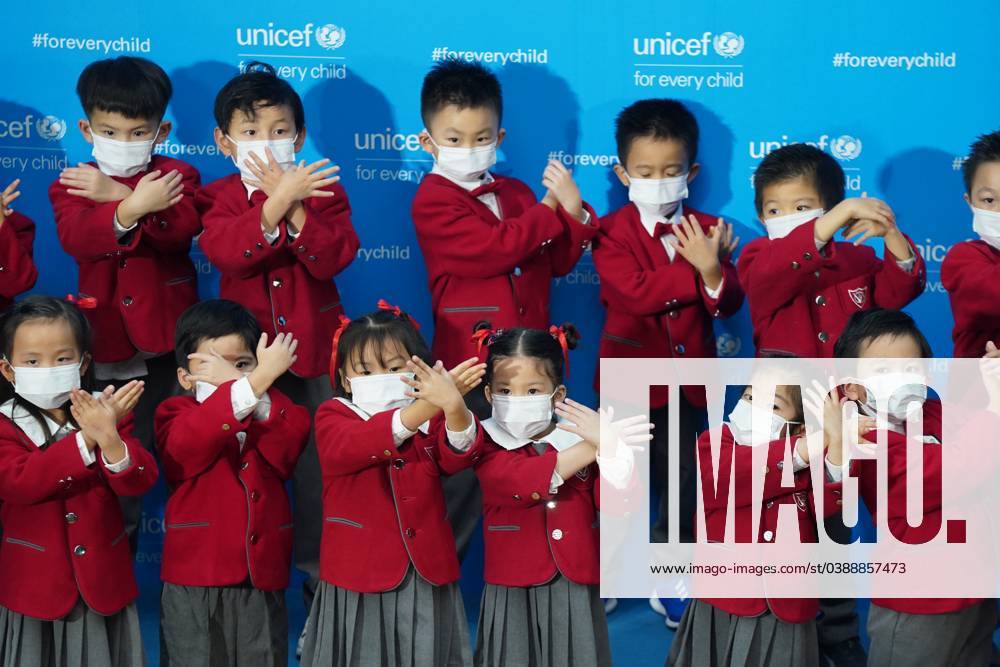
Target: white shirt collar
[466,185]
[561,440]
[30,426]
[423,428]
[649,221]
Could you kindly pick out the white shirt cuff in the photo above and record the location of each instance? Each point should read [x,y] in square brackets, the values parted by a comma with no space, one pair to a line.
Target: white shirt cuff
[907,264]
[835,473]
[244,401]
[586,217]
[122,231]
[617,469]
[714,293]
[292,234]
[798,463]
[400,433]
[819,244]
[462,440]
[85,454]
[121,465]
[271,236]
[555,483]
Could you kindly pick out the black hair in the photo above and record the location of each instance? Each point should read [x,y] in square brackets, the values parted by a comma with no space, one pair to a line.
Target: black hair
[867,325]
[800,161]
[534,343]
[370,332]
[258,85]
[39,307]
[211,319]
[659,119]
[133,87]
[466,85]
[985,149]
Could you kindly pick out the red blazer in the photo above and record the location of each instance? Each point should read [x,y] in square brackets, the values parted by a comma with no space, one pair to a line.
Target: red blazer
[383,507]
[801,298]
[790,610]
[17,271]
[531,535]
[142,282]
[228,515]
[288,286]
[655,307]
[63,534]
[866,472]
[971,274]
[483,268]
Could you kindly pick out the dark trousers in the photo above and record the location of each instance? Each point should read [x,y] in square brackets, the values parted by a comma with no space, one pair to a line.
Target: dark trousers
[691,421]
[838,620]
[462,497]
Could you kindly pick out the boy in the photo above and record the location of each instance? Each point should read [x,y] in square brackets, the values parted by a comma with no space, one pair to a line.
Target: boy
[17,238]
[279,232]
[971,269]
[665,274]
[801,284]
[908,631]
[227,449]
[491,249]
[128,219]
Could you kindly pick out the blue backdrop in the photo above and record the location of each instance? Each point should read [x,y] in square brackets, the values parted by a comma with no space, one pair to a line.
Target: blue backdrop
[895,90]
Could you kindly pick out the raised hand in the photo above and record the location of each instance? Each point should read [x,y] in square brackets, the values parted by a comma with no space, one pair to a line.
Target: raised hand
[727,244]
[699,249]
[468,375]
[559,181]
[272,361]
[85,180]
[302,181]
[212,368]
[434,385]
[7,197]
[153,193]
[267,172]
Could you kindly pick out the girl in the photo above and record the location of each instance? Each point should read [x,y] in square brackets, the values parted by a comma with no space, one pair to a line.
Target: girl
[541,604]
[66,581]
[757,631]
[388,567]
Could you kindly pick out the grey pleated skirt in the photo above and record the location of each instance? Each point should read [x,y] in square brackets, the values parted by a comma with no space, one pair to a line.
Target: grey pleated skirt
[711,637]
[558,624]
[222,626]
[416,624]
[82,638]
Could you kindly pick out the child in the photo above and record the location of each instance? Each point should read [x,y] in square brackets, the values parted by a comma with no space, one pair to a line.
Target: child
[279,232]
[227,449]
[17,237]
[801,284]
[389,592]
[971,269]
[665,275]
[541,604]
[128,218]
[908,631]
[489,247]
[67,589]
[765,630]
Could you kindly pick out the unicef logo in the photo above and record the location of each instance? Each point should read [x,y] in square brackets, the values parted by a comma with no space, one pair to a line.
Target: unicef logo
[728,44]
[846,147]
[51,128]
[728,345]
[331,36]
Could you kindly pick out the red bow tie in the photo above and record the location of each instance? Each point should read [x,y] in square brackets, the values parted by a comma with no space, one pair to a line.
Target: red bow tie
[483,189]
[662,229]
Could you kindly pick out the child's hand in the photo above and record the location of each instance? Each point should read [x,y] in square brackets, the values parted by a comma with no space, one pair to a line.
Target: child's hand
[468,375]
[272,361]
[9,194]
[88,181]
[124,400]
[865,214]
[95,417]
[631,432]
[727,244]
[154,192]
[434,385]
[581,420]
[701,251]
[550,200]
[303,181]
[213,368]
[823,404]
[558,179]
[268,173]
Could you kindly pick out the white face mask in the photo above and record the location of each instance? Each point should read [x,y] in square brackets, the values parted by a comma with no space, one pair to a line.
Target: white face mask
[282,149]
[897,392]
[378,393]
[753,426]
[47,388]
[523,416]
[659,196]
[465,164]
[783,225]
[987,225]
[122,158]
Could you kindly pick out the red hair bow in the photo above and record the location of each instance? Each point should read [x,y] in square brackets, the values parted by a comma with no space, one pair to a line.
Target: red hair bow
[398,312]
[83,303]
[559,333]
[481,338]
[344,321]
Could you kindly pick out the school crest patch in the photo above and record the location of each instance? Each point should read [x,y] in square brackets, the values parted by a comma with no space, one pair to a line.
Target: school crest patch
[859,295]
[583,474]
